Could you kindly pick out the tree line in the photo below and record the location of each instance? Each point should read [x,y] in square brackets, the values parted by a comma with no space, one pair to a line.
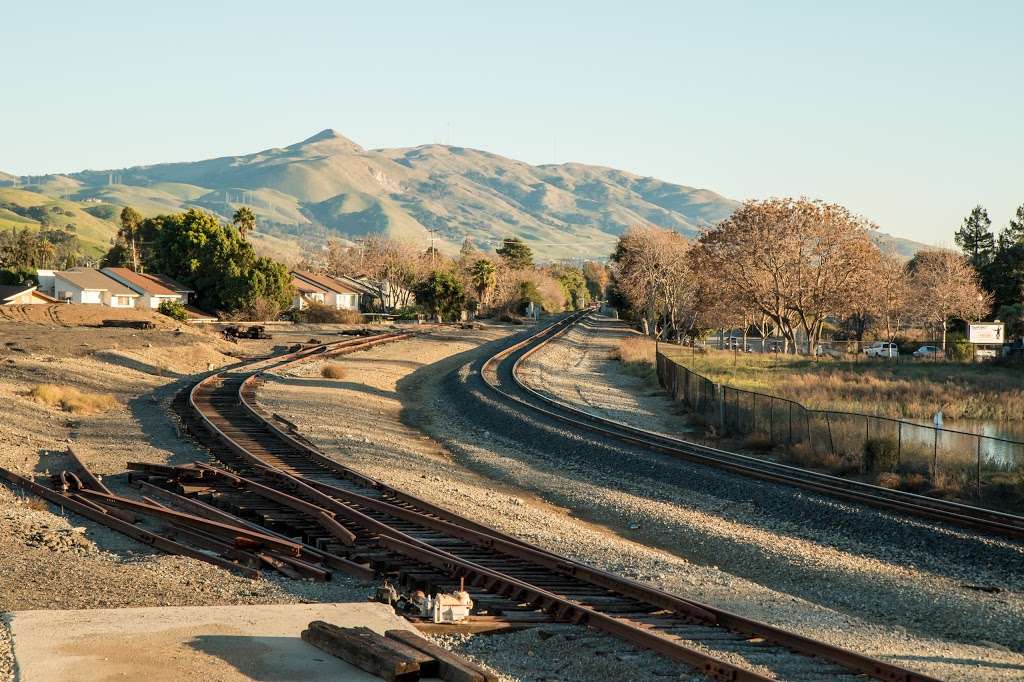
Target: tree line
[999,260]
[791,268]
[501,283]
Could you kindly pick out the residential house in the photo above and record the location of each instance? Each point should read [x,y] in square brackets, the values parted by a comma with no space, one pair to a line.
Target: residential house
[23,294]
[85,285]
[152,289]
[386,297]
[335,294]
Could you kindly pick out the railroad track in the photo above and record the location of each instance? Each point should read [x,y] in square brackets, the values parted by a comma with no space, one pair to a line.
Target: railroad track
[269,476]
[270,499]
[500,373]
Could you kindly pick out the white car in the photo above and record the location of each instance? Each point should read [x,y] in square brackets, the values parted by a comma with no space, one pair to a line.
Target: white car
[882,349]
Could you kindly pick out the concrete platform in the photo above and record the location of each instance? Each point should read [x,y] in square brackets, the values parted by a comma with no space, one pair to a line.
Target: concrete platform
[187,643]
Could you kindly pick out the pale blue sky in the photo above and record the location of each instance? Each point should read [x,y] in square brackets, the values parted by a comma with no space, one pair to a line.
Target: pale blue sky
[909,113]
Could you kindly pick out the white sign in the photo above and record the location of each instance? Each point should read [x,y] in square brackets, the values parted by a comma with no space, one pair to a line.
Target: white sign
[986,333]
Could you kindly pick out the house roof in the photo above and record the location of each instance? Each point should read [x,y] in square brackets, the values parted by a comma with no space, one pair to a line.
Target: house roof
[304,287]
[361,287]
[325,283]
[11,290]
[94,280]
[147,283]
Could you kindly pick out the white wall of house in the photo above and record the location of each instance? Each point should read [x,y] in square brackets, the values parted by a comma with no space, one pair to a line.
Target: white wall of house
[344,301]
[154,300]
[67,291]
[46,281]
[119,300]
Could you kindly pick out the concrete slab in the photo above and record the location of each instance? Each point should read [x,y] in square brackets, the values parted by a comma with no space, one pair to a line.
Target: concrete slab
[187,643]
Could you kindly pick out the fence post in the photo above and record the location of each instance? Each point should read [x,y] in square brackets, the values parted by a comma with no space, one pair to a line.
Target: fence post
[899,443]
[935,454]
[979,467]
[753,409]
[831,443]
[720,392]
[791,422]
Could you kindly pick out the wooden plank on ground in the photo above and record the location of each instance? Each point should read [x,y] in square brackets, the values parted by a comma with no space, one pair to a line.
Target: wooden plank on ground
[450,667]
[369,651]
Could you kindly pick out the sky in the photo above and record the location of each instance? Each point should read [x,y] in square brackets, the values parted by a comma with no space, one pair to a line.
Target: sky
[908,113]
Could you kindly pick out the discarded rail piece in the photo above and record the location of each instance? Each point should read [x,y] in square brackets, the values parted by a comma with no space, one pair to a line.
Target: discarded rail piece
[500,373]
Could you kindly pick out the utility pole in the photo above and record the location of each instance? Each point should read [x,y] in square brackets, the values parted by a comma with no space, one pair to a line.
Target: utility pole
[432,251]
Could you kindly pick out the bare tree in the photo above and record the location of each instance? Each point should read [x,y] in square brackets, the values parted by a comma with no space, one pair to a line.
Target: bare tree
[946,286]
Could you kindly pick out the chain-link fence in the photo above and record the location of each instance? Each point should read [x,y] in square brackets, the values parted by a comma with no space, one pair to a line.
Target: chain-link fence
[893,452]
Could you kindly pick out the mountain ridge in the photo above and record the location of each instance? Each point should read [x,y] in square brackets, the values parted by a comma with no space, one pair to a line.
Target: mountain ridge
[328,185]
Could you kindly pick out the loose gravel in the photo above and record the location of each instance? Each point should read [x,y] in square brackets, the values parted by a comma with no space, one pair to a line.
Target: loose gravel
[894,588]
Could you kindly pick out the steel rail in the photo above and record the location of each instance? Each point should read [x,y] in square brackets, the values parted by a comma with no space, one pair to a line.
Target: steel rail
[954,513]
[344,503]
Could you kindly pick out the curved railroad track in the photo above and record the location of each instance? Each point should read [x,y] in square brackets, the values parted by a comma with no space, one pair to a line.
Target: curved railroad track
[273,480]
[500,373]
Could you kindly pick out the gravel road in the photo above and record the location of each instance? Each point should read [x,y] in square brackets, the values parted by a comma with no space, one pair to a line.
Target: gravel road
[883,585]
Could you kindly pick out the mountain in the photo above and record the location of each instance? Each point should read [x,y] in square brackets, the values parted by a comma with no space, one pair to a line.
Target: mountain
[327,185]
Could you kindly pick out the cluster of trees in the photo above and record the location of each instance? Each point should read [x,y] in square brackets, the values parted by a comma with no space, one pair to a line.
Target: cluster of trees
[498,283]
[213,258]
[999,260]
[788,267]
[24,251]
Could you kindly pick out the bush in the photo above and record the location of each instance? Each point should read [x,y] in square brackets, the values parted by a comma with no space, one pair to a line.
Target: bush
[174,310]
[72,400]
[332,371]
[881,455]
[889,480]
[318,313]
[959,349]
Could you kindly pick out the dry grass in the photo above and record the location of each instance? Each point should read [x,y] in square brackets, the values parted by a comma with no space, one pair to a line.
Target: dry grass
[72,400]
[911,390]
[889,480]
[332,371]
[323,314]
[636,353]
[36,503]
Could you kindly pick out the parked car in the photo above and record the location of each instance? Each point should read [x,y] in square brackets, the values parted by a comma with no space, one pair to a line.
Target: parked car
[930,352]
[882,349]
[775,347]
[737,344]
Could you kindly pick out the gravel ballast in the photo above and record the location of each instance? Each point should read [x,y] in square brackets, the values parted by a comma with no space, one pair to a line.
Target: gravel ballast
[902,590]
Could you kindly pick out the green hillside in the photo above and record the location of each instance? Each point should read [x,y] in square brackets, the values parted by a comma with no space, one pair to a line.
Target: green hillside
[328,185]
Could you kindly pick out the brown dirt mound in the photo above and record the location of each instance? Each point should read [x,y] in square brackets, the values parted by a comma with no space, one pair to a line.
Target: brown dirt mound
[79,315]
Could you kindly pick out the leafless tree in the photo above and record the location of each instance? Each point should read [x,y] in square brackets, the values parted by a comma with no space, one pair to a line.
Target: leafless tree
[945,286]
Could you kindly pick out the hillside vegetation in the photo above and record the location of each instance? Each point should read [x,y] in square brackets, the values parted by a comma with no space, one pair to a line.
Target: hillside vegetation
[328,186]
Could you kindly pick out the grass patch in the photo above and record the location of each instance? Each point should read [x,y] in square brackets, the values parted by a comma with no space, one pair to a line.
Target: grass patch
[636,353]
[72,400]
[911,390]
[332,371]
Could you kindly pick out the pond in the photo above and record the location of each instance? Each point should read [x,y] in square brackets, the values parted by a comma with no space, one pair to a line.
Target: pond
[1002,446]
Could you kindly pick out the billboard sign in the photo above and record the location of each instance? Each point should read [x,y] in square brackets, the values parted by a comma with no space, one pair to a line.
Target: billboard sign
[986,333]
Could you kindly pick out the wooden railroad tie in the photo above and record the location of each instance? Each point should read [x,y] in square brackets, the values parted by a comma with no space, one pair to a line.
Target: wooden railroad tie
[402,656]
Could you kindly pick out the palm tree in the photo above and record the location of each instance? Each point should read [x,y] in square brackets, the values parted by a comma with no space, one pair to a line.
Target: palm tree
[483,274]
[245,220]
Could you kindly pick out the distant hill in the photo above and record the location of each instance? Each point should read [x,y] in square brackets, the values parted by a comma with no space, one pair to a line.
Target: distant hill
[327,185]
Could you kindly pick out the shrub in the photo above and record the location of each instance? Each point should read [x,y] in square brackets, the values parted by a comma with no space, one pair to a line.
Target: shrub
[758,443]
[332,371]
[880,455]
[72,400]
[318,313]
[958,348]
[889,480]
[174,310]
[914,483]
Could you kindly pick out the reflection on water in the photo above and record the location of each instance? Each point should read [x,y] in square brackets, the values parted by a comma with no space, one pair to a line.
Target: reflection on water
[1002,448]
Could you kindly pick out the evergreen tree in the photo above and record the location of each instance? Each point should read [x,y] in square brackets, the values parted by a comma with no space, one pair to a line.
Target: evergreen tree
[975,238]
[516,254]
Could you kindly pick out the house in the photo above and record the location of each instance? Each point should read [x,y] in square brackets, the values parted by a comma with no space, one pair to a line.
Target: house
[23,294]
[152,289]
[85,285]
[323,289]
[385,296]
